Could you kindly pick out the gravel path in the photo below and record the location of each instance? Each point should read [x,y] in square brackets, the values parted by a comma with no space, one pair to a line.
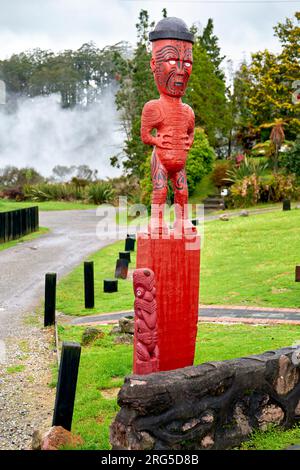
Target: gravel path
[26,349]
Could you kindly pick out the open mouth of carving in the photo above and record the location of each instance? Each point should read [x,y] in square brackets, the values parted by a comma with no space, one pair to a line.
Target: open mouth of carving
[178,83]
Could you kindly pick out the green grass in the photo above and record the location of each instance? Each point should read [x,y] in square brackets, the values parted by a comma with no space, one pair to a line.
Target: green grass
[203,189]
[15,369]
[245,261]
[26,238]
[273,439]
[8,205]
[70,294]
[103,365]
[251,261]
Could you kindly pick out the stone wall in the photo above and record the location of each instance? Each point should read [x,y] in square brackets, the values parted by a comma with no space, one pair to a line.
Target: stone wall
[212,406]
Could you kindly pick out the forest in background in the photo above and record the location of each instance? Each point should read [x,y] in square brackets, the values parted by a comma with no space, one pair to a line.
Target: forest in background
[253,111]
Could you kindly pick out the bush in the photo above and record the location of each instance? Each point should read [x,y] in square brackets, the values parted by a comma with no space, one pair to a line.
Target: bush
[253,189]
[53,192]
[248,168]
[200,160]
[278,187]
[245,192]
[126,186]
[220,172]
[291,159]
[101,193]
[13,193]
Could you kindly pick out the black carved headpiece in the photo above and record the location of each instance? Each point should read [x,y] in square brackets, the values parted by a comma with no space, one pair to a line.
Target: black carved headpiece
[171,28]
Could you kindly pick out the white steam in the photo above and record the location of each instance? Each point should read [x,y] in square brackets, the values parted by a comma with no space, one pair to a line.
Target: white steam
[42,134]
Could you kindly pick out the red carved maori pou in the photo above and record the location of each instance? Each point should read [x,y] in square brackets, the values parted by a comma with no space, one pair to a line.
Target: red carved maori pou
[146,356]
[173,121]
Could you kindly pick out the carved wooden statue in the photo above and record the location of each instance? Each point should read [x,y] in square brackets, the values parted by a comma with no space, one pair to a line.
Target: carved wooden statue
[166,314]
[145,334]
[173,121]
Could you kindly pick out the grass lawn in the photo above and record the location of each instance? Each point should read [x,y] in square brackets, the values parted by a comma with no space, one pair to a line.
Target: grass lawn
[70,293]
[245,261]
[103,366]
[8,205]
[26,238]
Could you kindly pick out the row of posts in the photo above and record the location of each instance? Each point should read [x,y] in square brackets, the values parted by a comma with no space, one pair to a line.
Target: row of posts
[68,366]
[17,223]
[70,353]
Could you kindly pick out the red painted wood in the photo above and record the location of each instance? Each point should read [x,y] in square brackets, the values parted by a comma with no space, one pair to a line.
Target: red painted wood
[177,269]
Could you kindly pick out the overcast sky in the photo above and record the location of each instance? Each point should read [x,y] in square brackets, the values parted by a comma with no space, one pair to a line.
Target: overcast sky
[242,26]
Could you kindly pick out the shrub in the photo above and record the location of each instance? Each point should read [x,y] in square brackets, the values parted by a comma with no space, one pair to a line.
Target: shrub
[253,189]
[291,159]
[219,173]
[101,192]
[126,186]
[13,193]
[278,187]
[247,168]
[245,192]
[53,192]
[200,159]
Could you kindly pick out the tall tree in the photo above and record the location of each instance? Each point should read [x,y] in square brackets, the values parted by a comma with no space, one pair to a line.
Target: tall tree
[210,42]
[206,93]
[136,88]
[268,84]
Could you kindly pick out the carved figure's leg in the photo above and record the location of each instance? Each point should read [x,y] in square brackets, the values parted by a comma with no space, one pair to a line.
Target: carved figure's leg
[181,195]
[159,195]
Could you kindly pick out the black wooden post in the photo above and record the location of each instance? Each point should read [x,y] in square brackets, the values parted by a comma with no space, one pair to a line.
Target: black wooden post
[129,244]
[297,274]
[50,299]
[125,255]
[121,269]
[110,285]
[89,290]
[66,385]
[286,205]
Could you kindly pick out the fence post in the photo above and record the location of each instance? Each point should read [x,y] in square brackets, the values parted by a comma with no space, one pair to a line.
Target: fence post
[89,290]
[50,299]
[66,385]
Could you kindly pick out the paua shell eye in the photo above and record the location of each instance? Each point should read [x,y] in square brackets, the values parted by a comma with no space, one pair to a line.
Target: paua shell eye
[172,62]
[187,64]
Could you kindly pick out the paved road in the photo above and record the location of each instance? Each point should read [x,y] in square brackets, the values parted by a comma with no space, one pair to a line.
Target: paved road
[210,313]
[71,238]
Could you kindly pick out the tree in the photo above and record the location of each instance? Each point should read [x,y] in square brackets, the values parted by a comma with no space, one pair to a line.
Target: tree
[62,172]
[206,94]
[80,77]
[268,84]
[136,88]
[210,42]
[13,177]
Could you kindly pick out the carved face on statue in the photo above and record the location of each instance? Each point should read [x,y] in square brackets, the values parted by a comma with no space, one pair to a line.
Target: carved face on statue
[171,64]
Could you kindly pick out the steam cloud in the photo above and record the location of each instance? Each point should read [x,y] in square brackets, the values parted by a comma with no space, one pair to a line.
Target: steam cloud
[42,134]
